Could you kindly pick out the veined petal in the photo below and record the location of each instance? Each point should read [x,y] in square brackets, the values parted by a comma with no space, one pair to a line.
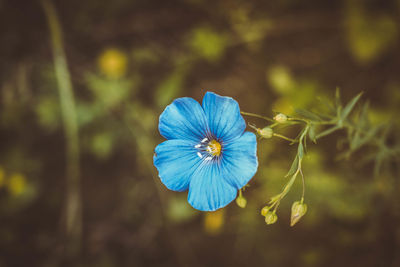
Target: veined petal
[239,160]
[176,160]
[183,119]
[208,190]
[223,116]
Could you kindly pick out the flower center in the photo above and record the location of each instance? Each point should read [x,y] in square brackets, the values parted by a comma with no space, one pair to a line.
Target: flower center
[214,148]
[208,150]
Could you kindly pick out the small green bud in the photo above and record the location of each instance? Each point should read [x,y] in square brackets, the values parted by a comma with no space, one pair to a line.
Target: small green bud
[241,201]
[265,210]
[298,211]
[270,217]
[265,132]
[281,118]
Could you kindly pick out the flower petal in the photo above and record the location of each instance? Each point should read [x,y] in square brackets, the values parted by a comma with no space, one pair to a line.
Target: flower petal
[239,160]
[176,160]
[223,116]
[183,119]
[208,190]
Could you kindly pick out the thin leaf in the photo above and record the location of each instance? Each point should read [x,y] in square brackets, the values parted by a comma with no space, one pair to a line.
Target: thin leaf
[327,104]
[274,199]
[294,166]
[363,119]
[308,114]
[311,133]
[379,160]
[328,131]
[300,150]
[349,107]
[338,102]
[369,135]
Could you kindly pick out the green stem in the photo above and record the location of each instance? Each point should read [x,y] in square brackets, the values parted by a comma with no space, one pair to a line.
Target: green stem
[308,122]
[298,119]
[304,186]
[73,209]
[256,116]
[286,138]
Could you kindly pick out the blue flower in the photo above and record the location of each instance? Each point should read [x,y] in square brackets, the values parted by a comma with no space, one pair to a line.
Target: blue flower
[207,151]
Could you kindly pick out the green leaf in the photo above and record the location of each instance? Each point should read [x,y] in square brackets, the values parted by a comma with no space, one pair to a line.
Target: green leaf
[274,199]
[349,107]
[363,119]
[379,160]
[311,133]
[328,104]
[300,151]
[328,131]
[308,114]
[338,102]
[294,166]
[368,136]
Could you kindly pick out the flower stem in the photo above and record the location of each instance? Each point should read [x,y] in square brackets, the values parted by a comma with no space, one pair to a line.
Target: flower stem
[256,116]
[286,138]
[304,186]
[73,209]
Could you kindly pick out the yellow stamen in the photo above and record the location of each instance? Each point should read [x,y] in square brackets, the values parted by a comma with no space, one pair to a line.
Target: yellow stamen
[214,148]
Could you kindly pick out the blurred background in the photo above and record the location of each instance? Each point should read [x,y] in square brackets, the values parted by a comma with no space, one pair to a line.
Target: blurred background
[77,183]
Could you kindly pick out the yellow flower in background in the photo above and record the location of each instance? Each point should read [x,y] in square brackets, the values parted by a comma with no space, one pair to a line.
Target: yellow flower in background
[369,35]
[280,79]
[213,221]
[113,63]
[2,177]
[16,184]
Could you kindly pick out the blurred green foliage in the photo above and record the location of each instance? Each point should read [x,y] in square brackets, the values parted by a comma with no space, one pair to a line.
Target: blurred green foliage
[207,43]
[369,35]
[129,59]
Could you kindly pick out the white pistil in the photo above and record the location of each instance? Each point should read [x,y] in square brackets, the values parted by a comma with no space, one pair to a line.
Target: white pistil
[208,158]
[197,146]
[199,154]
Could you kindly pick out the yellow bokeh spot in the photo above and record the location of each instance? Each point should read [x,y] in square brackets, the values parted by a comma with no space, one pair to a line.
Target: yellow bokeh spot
[213,221]
[2,177]
[283,105]
[369,36]
[17,184]
[280,79]
[112,63]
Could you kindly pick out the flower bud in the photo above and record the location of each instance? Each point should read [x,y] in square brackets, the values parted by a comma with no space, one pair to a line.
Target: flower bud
[298,211]
[281,118]
[270,217]
[241,202]
[265,210]
[265,132]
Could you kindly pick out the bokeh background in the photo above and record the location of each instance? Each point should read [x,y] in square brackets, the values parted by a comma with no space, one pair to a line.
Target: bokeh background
[127,60]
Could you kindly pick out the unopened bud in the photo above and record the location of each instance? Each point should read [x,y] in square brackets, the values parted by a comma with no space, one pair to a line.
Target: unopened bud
[270,217]
[265,210]
[298,211]
[281,118]
[265,132]
[241,201]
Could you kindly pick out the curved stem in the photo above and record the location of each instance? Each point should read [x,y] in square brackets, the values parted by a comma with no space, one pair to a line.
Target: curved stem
[256,116]
[304,186]
[298,119]
[73,208]
[286,138]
